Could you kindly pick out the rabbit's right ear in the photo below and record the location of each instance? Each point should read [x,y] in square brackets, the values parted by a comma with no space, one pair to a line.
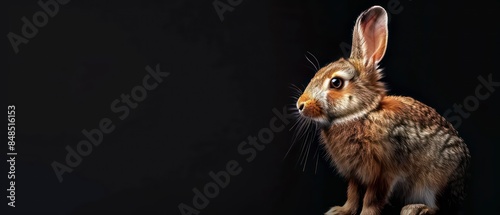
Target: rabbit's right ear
[369,39]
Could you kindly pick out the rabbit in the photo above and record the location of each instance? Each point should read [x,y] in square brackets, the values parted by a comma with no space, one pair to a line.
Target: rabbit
[382,145]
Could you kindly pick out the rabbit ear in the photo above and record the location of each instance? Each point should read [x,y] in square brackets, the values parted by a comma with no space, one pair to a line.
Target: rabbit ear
[369,39]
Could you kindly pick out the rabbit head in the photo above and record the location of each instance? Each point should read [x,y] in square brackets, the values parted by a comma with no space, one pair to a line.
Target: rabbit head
[349,88]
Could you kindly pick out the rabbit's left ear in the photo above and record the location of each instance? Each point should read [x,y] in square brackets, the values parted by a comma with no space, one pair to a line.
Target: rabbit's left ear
[369,39]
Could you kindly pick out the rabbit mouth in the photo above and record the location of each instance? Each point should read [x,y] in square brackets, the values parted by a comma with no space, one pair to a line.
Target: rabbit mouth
[315,114]
[310,109]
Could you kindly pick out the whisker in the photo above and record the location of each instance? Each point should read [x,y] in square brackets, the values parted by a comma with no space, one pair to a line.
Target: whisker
[313,137]
[302,155]
[293,86]
[304,146]
[316,154]
[316,59]
[305,128]
[309,140]
[296,88]
[307,154]
[301,131]
[308,143]
[294,124]
[311,62]
[300,122]
[316,168]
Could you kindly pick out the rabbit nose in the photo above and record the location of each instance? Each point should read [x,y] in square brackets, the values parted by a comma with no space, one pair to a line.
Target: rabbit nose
[302,102]
[300,106]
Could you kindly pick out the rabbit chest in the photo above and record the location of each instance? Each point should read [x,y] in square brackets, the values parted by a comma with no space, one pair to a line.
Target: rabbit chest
[360,148]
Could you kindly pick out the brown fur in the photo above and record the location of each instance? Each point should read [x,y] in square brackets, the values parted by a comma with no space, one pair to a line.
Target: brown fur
[385,145]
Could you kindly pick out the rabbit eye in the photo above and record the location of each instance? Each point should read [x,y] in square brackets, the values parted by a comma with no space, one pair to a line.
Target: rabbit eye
[336,83]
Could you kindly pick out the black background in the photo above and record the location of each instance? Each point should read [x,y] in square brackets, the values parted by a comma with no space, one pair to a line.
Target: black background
[225,79]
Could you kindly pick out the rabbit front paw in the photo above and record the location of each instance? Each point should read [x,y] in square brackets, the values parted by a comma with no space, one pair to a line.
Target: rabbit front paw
[417,209]
[338,210]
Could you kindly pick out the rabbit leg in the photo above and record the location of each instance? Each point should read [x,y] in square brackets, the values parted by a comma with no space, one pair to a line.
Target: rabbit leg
[351,205]
[421,201]
[417,209]
[376,197]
